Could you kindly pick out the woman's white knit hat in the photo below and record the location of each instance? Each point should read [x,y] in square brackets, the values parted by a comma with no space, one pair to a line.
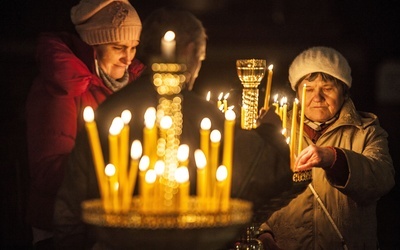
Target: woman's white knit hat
[106,21]
[320,59]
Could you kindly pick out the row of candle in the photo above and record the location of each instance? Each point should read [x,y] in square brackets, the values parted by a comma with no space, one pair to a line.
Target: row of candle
[117,179]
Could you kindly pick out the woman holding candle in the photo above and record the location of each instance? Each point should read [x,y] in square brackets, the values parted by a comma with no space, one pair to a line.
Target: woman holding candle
[348,153]
[74,72]
[260,165]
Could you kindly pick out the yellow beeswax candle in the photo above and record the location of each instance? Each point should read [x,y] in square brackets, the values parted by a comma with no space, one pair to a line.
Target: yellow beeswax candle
[229,128]
[205,126]
[215,138]
[143,167]
[148,190]
[159,168]
[150,133]
[219,103]
[284,115]
[225,101]
[223,193]
[182,178]
[293,132]
[168,45]
[268,88]
[201,163]
[95,146]
[110,172]
[136,152]
[114,132]
[301,128]
[126,117]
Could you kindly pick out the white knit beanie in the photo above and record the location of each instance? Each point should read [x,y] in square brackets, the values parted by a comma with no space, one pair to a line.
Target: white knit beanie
[106,21]
[319,59]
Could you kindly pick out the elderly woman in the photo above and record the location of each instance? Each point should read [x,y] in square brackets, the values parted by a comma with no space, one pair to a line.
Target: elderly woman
[74,72]
[348,154]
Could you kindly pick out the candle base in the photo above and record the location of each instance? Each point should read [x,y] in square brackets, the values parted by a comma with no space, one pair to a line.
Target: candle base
[301,176]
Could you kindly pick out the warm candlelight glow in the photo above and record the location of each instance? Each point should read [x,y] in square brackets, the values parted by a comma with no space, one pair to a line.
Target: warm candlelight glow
[143,166]
[166,122]
[150,117]
[219,103]
[215,138]
[268,88]
[183,154]
[88,114]
[221,190]
[208,97]
[111,173]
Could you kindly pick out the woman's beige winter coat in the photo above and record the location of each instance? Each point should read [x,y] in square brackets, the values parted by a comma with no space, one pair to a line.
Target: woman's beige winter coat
[303,224]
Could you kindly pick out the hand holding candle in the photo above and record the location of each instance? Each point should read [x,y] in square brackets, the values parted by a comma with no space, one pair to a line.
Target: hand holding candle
[301,128]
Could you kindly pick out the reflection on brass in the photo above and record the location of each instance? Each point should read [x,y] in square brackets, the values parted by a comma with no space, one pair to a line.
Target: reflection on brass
[240,213]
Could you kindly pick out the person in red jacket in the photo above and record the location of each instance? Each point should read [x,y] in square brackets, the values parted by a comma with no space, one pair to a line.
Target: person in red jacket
[74,72]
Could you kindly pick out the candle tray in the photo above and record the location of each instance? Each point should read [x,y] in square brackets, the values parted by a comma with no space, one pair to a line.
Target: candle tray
[194,229]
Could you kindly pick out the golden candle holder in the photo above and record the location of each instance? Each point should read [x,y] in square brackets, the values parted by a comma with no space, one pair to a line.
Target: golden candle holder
[250,72]
[196,228]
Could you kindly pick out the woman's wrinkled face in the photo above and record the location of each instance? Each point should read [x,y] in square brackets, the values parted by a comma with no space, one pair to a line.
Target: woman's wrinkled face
[323,98]
[114,58]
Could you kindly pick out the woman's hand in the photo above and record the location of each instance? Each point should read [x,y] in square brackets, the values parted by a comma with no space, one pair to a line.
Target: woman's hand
[314,156]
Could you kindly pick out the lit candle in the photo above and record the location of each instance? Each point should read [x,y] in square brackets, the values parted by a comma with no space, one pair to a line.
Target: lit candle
[223,194]
[182,178]
[183,155]
[159,168]
[215,138]
[143,166]
[276,104]
[150,134]
[268,89]
[168,45]
[229,128]
[225,101]
[284,114]
[219,103]
[126,117]
[148,189]
[301,128]
[136,152]
[97,154]
[114,131]
[205,126]
[201,163]
[293,131]
[110,172]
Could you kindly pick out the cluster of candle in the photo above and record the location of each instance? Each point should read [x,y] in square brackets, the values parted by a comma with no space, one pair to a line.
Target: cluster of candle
[117,179]
[222,102]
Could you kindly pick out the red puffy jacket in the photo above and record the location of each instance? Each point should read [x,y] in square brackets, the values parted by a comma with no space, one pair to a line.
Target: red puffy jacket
[66,84]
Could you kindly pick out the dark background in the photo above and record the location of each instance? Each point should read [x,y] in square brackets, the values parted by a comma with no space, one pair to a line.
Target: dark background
[366,32]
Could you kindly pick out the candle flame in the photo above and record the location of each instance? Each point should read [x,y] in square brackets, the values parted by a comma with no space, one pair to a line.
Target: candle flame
[270,67]
[150,117]
[220,96]
[169,36]
[200,158]
[159,167]
[136,149]
[226,96]
[144,163]
[150,176]
[276,98]
[230,115]
[205,123]
[110,170]
[222,173]
[183,152]
[126,116]
[88,114]
[116,126]
[208,96]
[215,136]
[182,174]
[166,122]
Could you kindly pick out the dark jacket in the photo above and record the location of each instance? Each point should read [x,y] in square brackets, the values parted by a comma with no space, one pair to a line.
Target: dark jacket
[261,168]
